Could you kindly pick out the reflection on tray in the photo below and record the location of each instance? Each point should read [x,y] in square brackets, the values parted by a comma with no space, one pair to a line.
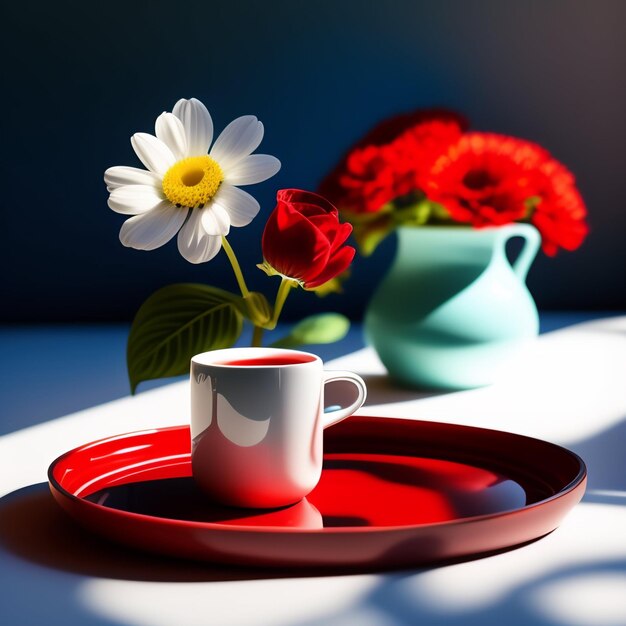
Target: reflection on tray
[355,490]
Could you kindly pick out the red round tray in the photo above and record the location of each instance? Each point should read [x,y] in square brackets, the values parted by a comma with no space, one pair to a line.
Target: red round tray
[393,493]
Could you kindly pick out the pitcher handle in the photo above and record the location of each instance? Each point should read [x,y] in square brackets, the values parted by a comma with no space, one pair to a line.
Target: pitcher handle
[532,238]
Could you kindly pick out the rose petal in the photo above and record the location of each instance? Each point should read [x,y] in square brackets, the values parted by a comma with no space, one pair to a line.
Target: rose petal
[337,264]
[326,219]
[326,225]
[152,229]
[306,198]
[341,235]
[197,123]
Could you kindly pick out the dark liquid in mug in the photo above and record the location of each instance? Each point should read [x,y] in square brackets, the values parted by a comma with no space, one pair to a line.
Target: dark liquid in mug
[270,360]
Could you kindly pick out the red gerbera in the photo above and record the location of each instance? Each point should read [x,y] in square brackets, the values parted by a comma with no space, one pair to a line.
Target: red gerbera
[486,178]
[480,179]
[387,162]
[561,212]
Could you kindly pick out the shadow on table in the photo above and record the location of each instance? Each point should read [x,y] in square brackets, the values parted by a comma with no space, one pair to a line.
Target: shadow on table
[606,463]
[381,389]
[400,600]
[34,528]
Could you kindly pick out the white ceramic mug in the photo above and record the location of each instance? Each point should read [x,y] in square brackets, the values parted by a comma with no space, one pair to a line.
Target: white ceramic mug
[257,416]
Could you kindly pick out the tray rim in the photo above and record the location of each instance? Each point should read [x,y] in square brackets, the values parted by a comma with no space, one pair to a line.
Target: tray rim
[59,491]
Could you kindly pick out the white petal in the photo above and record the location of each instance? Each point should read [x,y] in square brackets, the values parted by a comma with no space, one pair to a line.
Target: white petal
[239,139]
[121,175]
[215,220]
[169,129]
[152,152]
[198,125]
[152,229]
[194,244]
[253,169]
[242,208]
[134,199]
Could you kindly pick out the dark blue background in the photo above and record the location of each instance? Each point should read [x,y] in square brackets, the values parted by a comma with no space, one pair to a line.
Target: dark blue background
[79,78]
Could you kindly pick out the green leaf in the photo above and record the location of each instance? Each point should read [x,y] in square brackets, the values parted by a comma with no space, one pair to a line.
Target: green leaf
[177,322]
[439,212]
[371,233]
[257,309]
[414,215]
[321,328]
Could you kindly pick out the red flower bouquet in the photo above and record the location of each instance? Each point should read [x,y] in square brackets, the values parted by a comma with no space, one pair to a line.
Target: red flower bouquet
[426,168]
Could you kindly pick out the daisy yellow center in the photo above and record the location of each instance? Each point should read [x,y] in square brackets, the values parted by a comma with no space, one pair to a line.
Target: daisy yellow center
[192,182]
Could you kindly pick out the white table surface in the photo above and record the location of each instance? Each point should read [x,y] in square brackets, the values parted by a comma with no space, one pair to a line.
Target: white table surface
[569,388]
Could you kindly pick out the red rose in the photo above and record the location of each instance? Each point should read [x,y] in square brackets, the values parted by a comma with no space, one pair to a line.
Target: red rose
[486,178]
[387,163]
[303,239]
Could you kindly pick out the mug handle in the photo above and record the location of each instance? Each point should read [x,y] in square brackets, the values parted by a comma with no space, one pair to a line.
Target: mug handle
[521,265]
[341,377]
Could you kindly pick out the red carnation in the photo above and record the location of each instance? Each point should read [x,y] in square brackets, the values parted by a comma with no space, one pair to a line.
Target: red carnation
[303,239]
[387,162]
[561,212]
[486,178]
[374,176]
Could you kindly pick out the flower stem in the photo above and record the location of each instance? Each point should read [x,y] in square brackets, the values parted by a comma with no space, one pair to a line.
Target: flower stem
[257,337]
[283,291]
[230,253]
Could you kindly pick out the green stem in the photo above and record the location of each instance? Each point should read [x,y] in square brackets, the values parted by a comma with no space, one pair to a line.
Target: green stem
[283,291]
[230,253]
[257,337]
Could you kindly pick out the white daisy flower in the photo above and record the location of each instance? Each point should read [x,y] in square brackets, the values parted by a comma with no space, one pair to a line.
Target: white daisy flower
[188,189]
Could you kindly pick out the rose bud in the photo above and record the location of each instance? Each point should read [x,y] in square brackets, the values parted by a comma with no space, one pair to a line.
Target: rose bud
[303,239]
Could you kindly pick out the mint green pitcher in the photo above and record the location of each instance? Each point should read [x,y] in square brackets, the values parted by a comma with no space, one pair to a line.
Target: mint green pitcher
[452,309]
